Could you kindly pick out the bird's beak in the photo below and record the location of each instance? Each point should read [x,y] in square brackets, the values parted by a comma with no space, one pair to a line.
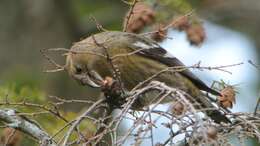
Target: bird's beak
[93,79]
[88,81]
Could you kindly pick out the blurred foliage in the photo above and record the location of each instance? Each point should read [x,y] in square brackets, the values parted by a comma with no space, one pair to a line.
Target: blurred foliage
[28,26]
[167,9]
[20,79]
[14,93]
[25,88]
[108,13]
[181,6]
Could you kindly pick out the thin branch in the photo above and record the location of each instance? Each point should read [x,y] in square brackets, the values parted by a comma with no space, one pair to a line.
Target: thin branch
[257,106]
[98,25]
[79,119]
[57,66]
[20,123]
[169,25]
[182,68]
[63,100]
[129,15]
[116,71]
[40,106]
[77,52]
[254,64]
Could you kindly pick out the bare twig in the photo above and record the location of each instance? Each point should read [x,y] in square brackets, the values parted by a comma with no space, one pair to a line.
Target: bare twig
[55,112]
[77,52]
[257,106]
[116,71]
[98,25]
[79,119]
[62,100]
[169,25]
[57,66]
[182,68]
[253,64]
[129,15]
[17,122]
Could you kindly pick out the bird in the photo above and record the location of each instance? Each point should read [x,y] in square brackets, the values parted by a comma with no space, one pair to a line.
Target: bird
[136,57]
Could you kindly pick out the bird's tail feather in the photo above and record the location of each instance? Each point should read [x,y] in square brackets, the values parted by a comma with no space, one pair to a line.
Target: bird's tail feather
[202,102]
[217,116]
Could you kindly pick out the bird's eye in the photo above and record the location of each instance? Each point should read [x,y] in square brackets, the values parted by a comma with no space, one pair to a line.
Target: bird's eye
[78,70]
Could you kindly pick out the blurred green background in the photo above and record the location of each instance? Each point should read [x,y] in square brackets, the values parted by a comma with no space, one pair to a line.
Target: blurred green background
[26,26]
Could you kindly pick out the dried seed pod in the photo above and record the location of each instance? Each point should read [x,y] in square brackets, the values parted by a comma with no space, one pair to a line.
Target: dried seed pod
[178,108]
[181,23]
[142,16]
[11,137]
[108,81]
[160,34]
[228,97]
[196,34]
[212,132]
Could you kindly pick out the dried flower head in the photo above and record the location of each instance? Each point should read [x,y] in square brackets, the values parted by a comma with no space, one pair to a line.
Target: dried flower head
[160,34]
[142,15]
[181,23]
[196,34]
[11,137]
[212,132]
[228,97]
[178,108]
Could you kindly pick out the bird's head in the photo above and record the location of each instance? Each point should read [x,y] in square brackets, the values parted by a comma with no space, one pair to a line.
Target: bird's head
[78,66]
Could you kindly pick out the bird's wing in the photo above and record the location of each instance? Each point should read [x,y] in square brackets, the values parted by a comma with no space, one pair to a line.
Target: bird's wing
[152,50]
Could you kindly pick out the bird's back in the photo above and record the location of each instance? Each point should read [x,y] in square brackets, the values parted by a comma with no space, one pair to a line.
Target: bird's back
[138,58]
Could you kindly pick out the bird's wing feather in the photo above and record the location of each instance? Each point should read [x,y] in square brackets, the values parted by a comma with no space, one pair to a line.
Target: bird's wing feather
[152,50]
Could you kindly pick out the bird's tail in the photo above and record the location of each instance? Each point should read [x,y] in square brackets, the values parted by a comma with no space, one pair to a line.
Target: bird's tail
[217,116]
[202,102]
